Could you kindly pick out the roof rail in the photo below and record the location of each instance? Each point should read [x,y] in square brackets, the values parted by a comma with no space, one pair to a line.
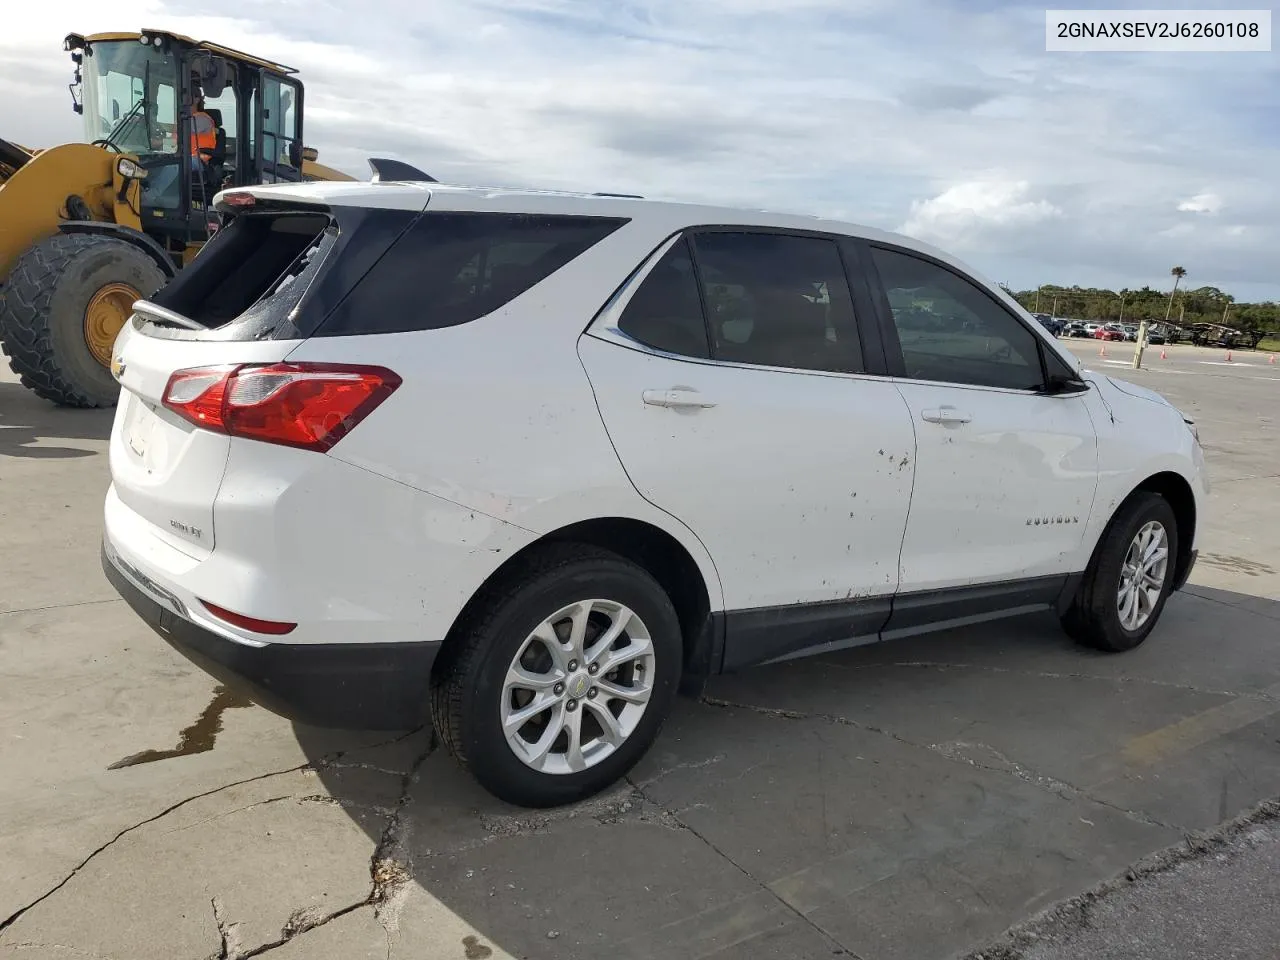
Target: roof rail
[628,196]
[385,170]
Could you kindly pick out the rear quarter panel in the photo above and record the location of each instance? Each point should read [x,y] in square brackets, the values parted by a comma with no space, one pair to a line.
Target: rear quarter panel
[498,415]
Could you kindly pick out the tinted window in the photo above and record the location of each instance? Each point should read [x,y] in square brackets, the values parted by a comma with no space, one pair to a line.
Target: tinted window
[452,268]
[953,331]
[665,312]
[778,300]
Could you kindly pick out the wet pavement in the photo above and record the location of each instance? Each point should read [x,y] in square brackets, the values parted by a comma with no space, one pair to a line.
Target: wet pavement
[906,800]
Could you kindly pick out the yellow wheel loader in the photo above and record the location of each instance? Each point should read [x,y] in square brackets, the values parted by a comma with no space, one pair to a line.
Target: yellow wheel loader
[88,228]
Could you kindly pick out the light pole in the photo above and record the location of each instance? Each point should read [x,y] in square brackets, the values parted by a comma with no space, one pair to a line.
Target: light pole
[1177,273]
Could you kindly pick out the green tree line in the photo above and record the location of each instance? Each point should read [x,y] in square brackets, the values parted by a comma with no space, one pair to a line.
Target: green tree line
[1190,306]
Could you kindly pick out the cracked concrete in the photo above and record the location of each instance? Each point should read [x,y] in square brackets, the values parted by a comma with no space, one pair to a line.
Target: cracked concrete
[909,800]
[1125,916]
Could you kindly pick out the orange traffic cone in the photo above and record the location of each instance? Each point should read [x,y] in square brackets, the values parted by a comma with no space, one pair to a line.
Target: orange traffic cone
[1228,356]
[1164,355]
[1271,359]
[1102,350]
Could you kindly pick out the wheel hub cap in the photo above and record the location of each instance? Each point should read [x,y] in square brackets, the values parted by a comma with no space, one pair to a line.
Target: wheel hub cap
[105,315]
[1142,575]
[577,687]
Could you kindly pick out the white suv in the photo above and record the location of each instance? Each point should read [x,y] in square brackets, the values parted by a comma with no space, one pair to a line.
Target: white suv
[525,463]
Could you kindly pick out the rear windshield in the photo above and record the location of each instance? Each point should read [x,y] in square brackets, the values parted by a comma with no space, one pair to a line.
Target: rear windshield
[350,271]
[253,258]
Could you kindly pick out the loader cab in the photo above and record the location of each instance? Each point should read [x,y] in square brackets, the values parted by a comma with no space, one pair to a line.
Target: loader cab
[139,94]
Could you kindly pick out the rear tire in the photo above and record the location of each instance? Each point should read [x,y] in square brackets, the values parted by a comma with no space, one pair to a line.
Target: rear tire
[42,313]
[1096,617]
[471,693]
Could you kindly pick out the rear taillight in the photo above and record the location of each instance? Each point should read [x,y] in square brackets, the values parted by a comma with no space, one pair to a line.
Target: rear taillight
[307,405]
[273,628]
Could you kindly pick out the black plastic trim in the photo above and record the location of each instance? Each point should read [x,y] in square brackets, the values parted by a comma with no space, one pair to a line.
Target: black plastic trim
[768,633]
[875,355]
[932,608]
[704,656]
[1069,590]
[764,634]
[895,365]
[127,234]
[359,686]
[1185,573]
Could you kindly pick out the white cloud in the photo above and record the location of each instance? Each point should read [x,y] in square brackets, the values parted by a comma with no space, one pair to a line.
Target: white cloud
[962,210]
[1201,203]
[896,117]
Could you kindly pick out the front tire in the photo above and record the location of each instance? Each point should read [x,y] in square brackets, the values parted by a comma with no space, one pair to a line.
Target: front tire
[60,309]
[560,676]
[1129,578]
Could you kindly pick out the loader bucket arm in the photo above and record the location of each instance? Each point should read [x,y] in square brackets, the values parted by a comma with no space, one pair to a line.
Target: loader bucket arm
[12,157]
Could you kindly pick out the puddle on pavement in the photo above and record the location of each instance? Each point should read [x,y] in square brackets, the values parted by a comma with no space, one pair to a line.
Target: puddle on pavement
[197,738]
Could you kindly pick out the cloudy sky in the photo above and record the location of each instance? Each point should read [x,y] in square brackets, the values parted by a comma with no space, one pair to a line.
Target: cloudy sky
[943,119]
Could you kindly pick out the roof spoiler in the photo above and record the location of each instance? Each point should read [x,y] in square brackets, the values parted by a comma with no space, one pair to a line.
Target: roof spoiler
[390,170]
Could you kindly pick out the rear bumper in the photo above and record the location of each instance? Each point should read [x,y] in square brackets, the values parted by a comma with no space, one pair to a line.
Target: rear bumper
[359,686]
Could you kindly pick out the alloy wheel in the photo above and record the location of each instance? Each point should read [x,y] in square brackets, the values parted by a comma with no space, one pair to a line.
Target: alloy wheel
[1142,576]
[578,686]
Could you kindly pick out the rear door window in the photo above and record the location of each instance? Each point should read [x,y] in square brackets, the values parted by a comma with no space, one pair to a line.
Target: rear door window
[778,300]
[452,268]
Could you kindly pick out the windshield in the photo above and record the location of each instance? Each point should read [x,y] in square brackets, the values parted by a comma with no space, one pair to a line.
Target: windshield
[129,96]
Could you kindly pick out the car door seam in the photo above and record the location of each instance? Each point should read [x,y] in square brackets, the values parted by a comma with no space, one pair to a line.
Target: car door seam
[911,496]
[604,425]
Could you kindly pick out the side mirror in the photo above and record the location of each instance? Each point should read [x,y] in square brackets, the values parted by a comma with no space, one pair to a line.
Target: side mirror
[296,154]
[310,154]
[1059,386]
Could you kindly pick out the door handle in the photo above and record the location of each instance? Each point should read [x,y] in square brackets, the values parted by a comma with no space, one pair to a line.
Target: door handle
[945,415]
[679,399]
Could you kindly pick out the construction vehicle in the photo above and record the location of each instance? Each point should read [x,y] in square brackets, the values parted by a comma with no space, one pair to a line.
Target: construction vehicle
[86,229]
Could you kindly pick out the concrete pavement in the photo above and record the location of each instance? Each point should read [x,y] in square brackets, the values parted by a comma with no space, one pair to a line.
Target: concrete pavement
[906,800]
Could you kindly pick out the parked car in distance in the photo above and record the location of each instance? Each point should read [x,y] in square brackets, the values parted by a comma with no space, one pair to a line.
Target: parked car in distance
[1109,332]
[1130,331]
[1076,328]
[1091,329]
[1155,337]
[1052,324]
[526,463]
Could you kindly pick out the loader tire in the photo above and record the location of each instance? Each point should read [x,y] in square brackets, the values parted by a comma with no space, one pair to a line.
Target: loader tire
[45,319]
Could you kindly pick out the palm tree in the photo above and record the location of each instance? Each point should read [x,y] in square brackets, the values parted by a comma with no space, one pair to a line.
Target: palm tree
[1177,273]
